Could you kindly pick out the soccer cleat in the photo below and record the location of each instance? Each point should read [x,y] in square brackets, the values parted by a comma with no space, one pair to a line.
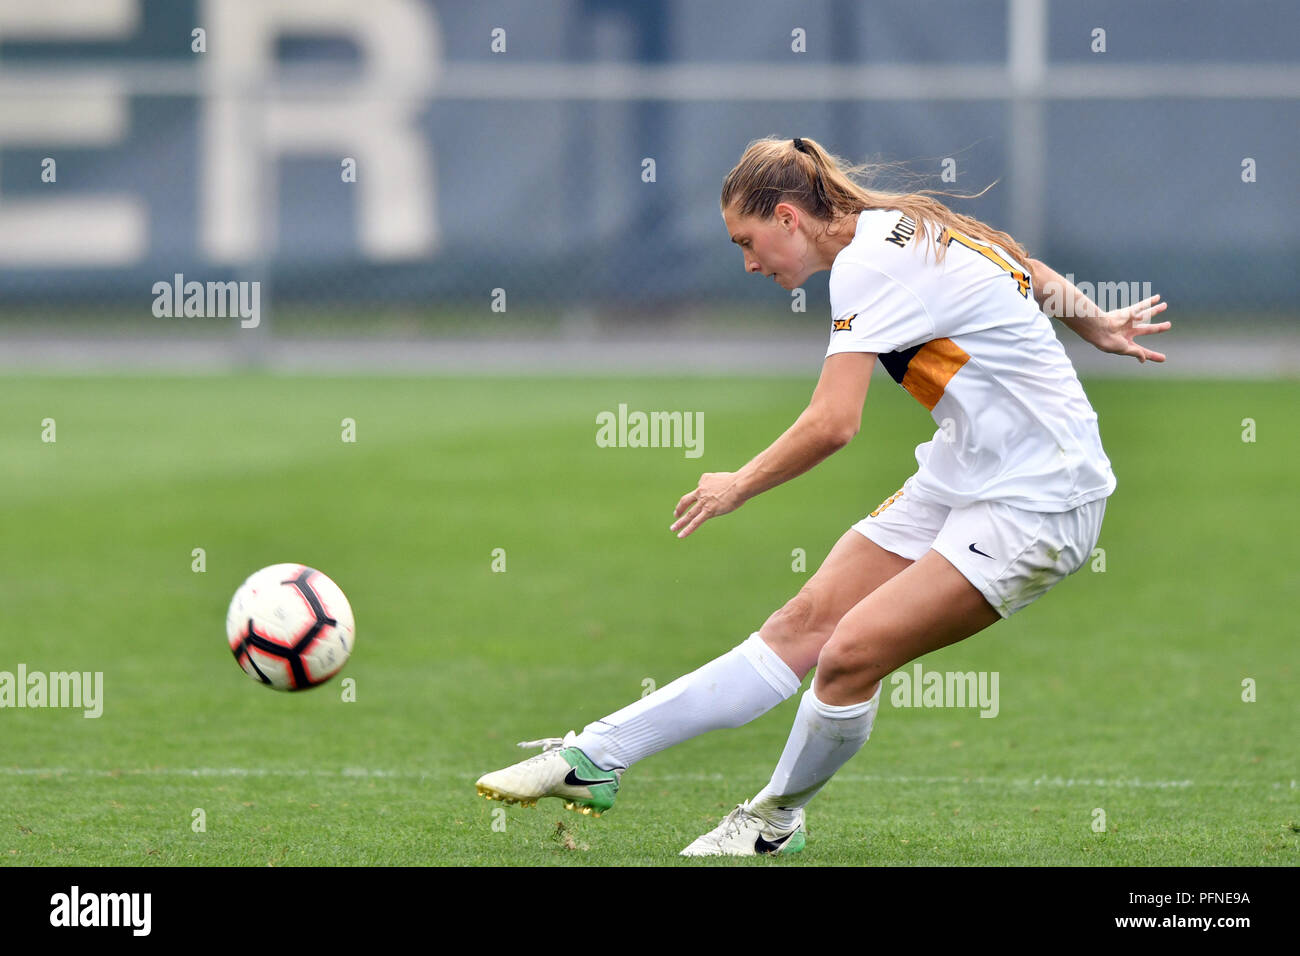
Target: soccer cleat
[743,832]
[560,771]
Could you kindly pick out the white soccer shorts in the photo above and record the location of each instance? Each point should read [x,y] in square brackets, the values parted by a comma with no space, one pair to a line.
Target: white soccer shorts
[1012,556]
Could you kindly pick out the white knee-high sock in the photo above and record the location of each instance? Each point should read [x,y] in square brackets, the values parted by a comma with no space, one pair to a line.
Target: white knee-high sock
[731,690]
[822,740]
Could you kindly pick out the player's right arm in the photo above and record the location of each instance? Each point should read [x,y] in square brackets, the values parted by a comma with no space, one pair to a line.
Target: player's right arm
[828,424]
[1112,331]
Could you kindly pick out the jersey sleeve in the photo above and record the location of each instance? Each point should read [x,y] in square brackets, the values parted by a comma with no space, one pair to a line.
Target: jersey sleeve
[873,312]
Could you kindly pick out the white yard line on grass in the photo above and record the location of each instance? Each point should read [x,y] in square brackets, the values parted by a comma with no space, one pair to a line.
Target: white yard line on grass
[1043,781]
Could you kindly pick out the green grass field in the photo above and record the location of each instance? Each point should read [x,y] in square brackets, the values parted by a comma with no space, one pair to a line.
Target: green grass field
[1120,690]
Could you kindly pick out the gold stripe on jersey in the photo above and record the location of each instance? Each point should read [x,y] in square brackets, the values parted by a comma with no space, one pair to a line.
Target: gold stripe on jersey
[931,369]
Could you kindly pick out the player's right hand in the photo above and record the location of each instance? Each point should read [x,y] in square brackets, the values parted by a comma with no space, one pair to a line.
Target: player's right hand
[715,495]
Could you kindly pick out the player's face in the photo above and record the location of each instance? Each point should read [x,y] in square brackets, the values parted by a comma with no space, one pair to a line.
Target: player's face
[775,248]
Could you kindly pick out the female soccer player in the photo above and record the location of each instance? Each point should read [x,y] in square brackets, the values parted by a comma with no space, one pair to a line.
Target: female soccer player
[1006,502]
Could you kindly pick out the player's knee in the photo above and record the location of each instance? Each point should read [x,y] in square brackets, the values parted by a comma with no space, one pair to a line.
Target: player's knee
[796,622]
[855,663]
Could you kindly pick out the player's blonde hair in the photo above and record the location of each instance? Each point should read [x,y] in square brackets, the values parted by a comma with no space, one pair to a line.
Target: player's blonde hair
[773,171]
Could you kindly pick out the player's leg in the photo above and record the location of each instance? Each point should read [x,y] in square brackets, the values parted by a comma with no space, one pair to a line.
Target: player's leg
[988,561]
[755,676]
[933,606]
[729,691]
[855,567]
[927,606]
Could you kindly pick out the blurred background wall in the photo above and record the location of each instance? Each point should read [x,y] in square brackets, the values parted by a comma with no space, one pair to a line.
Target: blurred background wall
[407,158]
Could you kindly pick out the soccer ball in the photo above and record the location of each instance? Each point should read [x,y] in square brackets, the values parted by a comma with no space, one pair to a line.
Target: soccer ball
[290,627]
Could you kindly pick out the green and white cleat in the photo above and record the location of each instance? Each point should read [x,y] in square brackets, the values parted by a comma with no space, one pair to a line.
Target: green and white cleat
[743,832]
[560,771]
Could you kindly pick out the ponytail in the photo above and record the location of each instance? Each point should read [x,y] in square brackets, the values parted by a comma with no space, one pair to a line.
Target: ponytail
[800,172]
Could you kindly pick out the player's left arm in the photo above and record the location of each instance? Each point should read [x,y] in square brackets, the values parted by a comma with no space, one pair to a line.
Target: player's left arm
[1113,331]
[830,421]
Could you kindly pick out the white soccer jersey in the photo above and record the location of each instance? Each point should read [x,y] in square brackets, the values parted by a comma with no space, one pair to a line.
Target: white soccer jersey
[967,340]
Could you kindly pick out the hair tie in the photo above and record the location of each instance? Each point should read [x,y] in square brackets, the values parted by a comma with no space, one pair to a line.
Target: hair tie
[798,144]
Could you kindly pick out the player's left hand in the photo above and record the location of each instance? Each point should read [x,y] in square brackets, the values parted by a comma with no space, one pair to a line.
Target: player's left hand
[1122,326]
[715,495]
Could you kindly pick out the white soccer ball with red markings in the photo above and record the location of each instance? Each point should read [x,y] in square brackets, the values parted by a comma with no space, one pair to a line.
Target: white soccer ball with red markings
[290,627]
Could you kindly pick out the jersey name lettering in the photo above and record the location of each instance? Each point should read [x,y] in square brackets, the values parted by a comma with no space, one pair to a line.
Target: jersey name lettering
[903,231]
